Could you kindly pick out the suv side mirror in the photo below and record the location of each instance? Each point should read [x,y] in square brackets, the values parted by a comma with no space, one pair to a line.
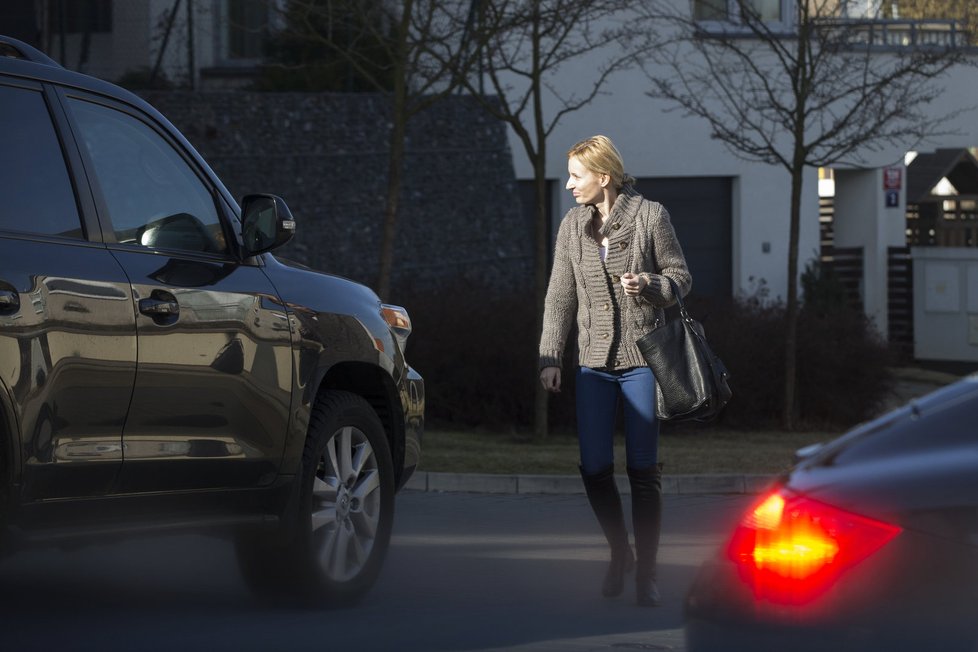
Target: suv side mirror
[266,223]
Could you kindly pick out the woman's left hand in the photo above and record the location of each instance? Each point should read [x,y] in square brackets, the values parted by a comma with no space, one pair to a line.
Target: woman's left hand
[633,284]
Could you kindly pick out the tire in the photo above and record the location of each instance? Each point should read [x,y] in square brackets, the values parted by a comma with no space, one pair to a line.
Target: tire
[336,544]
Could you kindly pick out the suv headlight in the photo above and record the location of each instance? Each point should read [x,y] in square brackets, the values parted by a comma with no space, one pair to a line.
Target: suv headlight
[399,321]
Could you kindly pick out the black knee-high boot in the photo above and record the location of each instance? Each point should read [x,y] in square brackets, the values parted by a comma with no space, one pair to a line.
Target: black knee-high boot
[647,522]
[602,493]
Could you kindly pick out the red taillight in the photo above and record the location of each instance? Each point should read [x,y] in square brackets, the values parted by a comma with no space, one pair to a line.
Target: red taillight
[791,548]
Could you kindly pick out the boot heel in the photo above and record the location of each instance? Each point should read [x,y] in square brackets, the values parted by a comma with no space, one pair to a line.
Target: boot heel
[614,580]
[602,494]
[647,593]
[646,487]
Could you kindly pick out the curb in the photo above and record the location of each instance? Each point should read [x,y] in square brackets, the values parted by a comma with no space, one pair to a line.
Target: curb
[486,483]
[723,483]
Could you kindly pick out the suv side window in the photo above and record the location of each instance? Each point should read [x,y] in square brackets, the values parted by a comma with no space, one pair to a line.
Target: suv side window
[153,196]
[36,195]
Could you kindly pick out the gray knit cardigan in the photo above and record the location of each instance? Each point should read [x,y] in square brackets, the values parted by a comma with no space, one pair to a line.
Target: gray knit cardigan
[641,240]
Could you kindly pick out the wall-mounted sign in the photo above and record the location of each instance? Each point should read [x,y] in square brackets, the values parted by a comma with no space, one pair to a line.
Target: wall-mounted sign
[892,179]
[892,198]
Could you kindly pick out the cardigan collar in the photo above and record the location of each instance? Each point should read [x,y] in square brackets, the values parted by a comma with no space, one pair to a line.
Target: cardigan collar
[622,213]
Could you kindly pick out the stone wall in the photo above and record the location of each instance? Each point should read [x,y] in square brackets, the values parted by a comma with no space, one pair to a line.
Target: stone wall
[326,154]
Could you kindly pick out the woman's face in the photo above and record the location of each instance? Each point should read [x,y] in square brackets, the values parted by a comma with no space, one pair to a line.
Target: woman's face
[583,183]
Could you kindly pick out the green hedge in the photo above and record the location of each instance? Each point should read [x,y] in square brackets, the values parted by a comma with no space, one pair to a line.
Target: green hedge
[478,354]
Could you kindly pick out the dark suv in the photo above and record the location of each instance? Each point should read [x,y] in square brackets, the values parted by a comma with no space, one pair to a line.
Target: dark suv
[160,370]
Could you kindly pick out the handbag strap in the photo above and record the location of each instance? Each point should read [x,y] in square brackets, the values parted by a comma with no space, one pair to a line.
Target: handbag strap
[679,298]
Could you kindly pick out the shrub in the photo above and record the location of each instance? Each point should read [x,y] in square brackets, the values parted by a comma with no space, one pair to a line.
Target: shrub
[842,365]
[821,287]
[843,368]
[748,335]
[142,79]
[478,354]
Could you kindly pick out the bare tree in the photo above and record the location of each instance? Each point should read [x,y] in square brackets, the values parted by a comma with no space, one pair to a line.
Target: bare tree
[811,91]
[525,44]
[388,47]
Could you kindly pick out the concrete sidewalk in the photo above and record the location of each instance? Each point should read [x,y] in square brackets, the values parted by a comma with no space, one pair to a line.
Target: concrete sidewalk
[909,383]
[661,639]
[727,483]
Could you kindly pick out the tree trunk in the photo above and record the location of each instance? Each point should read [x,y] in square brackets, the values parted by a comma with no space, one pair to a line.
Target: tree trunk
[395,163]
[541,425]
[801,82]
[791,317]
[395,170]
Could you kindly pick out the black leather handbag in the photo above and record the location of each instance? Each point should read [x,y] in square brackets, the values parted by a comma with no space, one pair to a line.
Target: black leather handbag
[691,381]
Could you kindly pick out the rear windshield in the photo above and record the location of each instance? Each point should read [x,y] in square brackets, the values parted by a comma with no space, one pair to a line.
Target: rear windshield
[945,419]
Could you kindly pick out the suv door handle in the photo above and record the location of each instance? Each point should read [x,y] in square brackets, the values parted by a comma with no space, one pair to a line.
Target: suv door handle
[156,307]
[161,306]
[9,301]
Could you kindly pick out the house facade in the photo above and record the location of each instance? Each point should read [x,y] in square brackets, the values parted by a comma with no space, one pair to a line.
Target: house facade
[212,44]
[731,215]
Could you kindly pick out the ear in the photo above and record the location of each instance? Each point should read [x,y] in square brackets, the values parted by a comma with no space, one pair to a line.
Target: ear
[604,180]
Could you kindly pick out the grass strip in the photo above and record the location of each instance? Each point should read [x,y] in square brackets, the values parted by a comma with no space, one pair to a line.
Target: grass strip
[682,452]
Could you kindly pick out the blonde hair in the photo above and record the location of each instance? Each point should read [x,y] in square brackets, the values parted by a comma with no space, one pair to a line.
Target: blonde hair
[598,154]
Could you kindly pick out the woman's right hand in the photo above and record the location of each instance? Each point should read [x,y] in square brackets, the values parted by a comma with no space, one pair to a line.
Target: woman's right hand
[550,377]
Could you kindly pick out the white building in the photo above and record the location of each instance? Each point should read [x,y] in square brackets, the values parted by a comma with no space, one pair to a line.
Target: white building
[732,216]
[185,42]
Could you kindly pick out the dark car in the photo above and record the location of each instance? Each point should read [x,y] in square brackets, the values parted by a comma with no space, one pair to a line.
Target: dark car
[869,543]
[159,370]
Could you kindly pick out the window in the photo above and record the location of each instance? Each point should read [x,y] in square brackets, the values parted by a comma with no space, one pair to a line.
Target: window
[79,16]
[710,10]
[863,8]
[247,24]
[36,191]
[769,11]
[153,196]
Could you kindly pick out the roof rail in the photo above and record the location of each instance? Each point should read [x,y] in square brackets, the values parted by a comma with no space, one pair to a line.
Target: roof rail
[11,47]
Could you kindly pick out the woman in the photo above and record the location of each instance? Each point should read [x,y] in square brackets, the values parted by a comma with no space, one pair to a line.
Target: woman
[614,251]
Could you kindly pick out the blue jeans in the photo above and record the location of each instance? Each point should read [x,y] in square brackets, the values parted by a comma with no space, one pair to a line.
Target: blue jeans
[597,405]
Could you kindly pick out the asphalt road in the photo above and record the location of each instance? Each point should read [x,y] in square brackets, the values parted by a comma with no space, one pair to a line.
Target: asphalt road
[464,572]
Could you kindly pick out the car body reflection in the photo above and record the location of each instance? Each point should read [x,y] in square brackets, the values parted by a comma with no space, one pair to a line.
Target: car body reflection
[870,543]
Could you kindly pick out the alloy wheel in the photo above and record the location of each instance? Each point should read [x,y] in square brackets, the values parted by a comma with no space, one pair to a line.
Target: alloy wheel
[346,507]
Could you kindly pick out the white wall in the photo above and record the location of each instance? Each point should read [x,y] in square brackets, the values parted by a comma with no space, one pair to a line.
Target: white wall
[945,311]
[862,219]
[176,58]
[657,142]
[110,54]
[136,37]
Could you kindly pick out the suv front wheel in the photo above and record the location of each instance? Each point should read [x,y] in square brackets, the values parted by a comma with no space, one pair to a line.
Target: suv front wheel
[346,508]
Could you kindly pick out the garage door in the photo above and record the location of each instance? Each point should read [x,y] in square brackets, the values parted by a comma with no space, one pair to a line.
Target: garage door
[700,208]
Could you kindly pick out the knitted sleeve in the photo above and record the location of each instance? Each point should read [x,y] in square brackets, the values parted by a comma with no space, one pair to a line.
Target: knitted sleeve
[560,307]
[669,260]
